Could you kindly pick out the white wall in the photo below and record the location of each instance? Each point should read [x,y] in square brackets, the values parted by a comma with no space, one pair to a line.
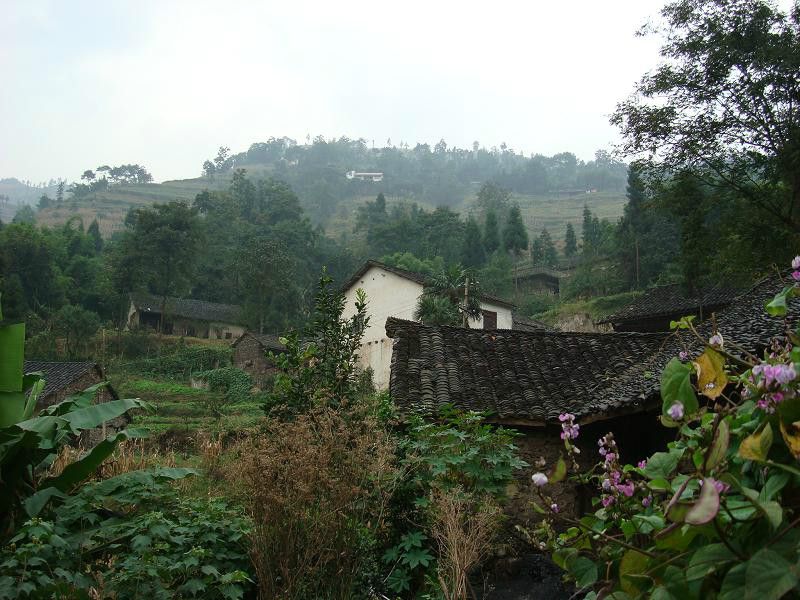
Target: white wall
[388,295]
[504,318]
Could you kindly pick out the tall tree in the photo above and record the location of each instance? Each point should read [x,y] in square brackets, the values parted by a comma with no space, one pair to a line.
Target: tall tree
[570,242]
[451,297]
[589,233]
[515,236]
[163,243]
[549,256]
[60,191]
[94,233]
[725,102]
[473,254]
[491,233]
[493,197]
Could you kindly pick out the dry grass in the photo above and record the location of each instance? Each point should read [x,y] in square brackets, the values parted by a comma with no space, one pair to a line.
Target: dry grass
[313,485]
[464,528]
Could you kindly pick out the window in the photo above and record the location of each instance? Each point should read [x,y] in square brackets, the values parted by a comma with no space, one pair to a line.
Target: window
[489,319]
[228,335]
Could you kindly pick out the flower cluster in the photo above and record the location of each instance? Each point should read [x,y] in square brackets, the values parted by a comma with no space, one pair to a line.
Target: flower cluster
[569,428]
[796,267]
[772,383]
[612,483]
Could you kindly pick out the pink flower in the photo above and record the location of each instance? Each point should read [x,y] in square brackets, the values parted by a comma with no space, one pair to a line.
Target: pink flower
[647,501]
[539,479]
[716,340]
[683,355]
[796,262]
[675,411]
[554,507]
[720,486]
[606,484]
[607,501]
[626,488]
[610,456]
[642,464]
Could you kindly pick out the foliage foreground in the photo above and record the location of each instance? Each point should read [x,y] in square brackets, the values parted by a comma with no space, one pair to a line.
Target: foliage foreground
[716,515]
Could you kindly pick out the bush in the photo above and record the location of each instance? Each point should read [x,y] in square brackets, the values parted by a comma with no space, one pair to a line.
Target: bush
[233,383]
[130,536]
[317,488]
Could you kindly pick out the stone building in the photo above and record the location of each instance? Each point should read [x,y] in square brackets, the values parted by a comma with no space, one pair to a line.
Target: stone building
[250,355]
[186,317]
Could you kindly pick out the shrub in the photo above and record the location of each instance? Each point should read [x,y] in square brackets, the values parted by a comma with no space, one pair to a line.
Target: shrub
[317,488]
[183,361]
[234,385]
[127,537]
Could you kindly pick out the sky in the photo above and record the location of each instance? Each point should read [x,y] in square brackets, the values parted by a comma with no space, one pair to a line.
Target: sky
[165,83]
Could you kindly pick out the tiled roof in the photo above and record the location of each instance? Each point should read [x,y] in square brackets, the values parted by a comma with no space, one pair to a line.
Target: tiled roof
[672,300]
[59,375]
[412,276]
[269,342]
[523,324]
[745,324]
[190,309]
[516,375]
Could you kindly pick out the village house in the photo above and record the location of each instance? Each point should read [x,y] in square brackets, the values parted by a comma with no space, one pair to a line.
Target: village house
[64,379]
[394,292]
[525,380]
[658,306]
[186,317]
[250,355]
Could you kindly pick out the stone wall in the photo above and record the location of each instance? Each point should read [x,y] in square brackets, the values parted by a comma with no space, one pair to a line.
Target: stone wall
[249,356]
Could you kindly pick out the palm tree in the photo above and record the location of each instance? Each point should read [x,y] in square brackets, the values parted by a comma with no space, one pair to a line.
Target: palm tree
[443,300]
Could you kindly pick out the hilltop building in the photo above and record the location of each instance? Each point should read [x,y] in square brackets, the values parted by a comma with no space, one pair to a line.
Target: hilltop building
[250,355]
[193,318]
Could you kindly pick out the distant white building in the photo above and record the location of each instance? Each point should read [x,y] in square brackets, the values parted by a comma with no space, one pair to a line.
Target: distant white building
[364,176]
[393,292]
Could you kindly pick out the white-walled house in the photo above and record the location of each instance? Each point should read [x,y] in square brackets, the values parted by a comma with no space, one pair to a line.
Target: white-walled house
[394,292]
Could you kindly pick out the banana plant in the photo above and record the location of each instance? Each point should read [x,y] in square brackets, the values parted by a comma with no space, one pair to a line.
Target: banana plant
[30,443]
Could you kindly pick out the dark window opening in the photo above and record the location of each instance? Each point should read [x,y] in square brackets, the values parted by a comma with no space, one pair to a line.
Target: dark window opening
[489,319]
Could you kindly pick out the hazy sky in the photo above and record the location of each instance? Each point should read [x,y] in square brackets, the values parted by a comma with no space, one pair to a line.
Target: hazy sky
[165,83]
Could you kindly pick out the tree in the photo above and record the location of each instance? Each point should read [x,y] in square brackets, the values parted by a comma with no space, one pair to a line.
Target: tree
[570,242]
[537,251]
[25,215]
[549,256]
[515,237]
[473,255]
[491,233]
[493,197]
[88,175]
[163,245]
[60,191]
[209,169]
[724,102]
[45,202]
[94,233]
[221,159]
[455,287]
[76,325]
[589,233]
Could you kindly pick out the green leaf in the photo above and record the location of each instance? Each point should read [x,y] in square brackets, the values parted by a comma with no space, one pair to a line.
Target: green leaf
[708,559]
[632,563]
[79,470]
[559,471]
[417,556]
[733,584]
[756,446]
[583,570]
[12,347]
[778,305]
[768,576]
[34,504]
[97,414]
[676,386]
[661,465]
